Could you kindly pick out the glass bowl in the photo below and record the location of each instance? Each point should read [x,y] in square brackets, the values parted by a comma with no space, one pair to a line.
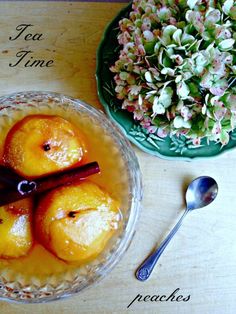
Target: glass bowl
[125,177]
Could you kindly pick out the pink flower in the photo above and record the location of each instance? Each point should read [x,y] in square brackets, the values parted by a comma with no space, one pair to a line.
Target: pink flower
[137,40]
[197,141]
[124,38]
[118,81]
[146,24]
[162,132]
[172,21]
[138,114]
[148,35]
[129,105]
[152,129]
[141,50]
[146,122]
[129,47]
[134,89]
[216,128]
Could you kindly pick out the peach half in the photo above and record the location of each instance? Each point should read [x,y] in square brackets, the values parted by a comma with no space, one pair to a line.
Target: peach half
[76,222]
[43,144]
[15,229]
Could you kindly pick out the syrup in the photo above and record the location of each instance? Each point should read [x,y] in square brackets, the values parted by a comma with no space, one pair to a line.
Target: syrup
[40,264]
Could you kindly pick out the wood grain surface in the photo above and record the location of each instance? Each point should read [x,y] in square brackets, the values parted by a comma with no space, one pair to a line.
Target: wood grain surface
[201,259]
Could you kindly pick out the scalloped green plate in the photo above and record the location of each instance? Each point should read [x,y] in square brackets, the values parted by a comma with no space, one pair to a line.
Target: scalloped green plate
[169,148]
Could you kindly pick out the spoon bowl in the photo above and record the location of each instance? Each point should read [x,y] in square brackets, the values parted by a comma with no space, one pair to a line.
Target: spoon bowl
[201,192]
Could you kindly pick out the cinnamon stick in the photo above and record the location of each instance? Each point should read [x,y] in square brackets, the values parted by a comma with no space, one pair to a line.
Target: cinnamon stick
[9,177]
[31,188]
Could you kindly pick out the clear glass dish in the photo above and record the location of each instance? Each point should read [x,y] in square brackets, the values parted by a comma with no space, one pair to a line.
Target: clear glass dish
[124,182]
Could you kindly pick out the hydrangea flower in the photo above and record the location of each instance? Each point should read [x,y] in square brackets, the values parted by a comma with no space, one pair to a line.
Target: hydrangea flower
[176,70]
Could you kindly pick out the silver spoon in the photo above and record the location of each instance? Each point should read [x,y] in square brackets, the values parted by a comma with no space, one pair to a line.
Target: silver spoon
[200,193]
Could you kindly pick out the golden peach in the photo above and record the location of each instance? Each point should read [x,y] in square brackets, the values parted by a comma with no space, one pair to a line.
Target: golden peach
[42,144]
[75,222]
[15,229]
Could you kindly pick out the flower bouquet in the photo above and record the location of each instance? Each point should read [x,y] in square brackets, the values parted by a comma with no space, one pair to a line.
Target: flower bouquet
[176,70]
[166,74]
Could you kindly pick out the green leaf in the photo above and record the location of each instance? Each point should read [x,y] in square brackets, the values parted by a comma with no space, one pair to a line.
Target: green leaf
[182,90]
[213,16]
[194,89]
[227,6]
[148,76]
[124,76]
[166,96]
[168,71]
[180,123]
[157,47]
[200,63]
[207,80]
[149,47]
[164,13]
[232,13]
[169,30]
[192,3]
[167,33]
[224,137]
[157,107]
[226,44]
[187,39]
[177,36]
[218,88]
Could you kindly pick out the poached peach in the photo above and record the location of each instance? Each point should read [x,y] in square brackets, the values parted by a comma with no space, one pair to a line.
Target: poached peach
[75,222]
[43,144]
[15,229]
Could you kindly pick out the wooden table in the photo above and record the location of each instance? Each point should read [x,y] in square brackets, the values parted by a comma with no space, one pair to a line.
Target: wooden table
[201,259]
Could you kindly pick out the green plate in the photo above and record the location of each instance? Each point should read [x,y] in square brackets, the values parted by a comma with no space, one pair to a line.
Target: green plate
[168,148]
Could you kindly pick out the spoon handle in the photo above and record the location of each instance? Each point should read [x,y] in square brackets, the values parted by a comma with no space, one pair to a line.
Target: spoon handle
[146,268]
